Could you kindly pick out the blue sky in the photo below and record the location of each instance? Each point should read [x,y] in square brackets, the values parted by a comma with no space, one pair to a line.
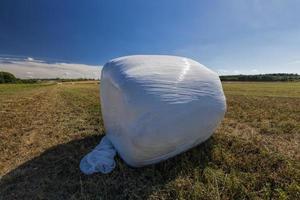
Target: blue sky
[231,37]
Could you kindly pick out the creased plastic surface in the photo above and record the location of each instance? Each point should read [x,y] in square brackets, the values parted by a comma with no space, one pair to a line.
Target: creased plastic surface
[155,107]
[101,159]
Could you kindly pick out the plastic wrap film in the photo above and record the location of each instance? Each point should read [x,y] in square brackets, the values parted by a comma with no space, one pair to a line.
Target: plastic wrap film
[155,107]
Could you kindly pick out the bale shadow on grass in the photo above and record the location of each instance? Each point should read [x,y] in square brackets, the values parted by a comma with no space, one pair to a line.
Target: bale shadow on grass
[55,174]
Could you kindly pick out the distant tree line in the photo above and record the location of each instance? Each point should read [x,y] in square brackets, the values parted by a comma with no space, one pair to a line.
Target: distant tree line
[262,77]
[6,77]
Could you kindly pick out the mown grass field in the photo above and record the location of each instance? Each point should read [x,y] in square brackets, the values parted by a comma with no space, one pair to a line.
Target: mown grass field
[46,129]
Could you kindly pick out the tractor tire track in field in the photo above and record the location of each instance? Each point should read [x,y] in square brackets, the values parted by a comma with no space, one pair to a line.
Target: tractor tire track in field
[33,121]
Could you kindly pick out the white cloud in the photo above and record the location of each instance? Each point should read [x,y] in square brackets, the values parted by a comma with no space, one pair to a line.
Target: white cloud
[236,72]
[30,59]
[294,62]
[254,71]
[222,71]
[32,68]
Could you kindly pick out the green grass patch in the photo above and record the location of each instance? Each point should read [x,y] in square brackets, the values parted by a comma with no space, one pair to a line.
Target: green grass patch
[10,89]
[273,89]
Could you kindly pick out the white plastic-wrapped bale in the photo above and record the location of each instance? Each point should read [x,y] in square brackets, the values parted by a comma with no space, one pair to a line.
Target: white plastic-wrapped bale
[155,107]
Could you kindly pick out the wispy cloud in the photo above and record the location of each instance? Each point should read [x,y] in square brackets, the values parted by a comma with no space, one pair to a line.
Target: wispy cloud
[33,68]
[254,71]
[30,59]
[222,71]
[236,72]
[294,62]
